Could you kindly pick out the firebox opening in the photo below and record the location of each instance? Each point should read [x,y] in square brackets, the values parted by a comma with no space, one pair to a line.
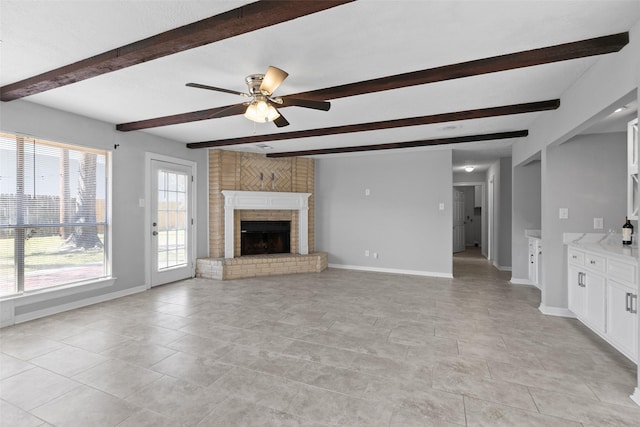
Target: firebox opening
[265,237]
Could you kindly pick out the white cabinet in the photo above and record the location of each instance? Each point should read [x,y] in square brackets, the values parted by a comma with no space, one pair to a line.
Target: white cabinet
[622,324]
[603,294]
[596,300]
[587,294]
[577,292]
[535,252]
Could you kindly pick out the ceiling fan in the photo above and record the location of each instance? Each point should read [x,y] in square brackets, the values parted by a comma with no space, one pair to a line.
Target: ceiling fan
[262,106]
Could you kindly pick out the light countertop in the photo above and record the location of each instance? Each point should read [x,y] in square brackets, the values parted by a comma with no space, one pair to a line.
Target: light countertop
[606,244]
[533,234]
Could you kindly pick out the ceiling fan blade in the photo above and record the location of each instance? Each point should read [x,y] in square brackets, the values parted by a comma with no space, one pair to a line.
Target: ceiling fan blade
[272,79]
[281,121]
[218,89]
[231,111]
[306,103]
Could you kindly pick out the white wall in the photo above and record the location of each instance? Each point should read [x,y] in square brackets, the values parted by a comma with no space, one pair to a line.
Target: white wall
[128,183]
[613,77]
[526,214]
[469,177]
[400,220]
[500,173]
[504,229]
[587,175]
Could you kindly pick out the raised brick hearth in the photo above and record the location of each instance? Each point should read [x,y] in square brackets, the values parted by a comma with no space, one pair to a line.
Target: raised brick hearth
[260,265]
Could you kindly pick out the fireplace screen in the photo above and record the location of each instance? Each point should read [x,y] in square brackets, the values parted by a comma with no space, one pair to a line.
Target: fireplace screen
[265,237]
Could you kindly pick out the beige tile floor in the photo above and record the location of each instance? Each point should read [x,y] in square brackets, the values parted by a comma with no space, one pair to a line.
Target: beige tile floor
[336,348]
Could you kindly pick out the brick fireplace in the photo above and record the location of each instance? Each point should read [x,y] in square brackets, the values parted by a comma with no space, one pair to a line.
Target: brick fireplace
[274,187]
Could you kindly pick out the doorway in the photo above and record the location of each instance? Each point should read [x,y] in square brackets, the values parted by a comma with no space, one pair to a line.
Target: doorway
[473,216]
[170,217]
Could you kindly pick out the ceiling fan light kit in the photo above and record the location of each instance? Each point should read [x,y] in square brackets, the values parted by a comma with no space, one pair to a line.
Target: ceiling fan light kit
[261,108]
[260,111]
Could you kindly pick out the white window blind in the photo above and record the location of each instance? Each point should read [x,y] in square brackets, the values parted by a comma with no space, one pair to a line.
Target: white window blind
[53,214]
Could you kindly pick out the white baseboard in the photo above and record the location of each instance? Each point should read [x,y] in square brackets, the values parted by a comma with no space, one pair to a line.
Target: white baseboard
[636,395]
[7,313]
[501,267]
[75,304]
[392,271]
[522,282]
[556,311]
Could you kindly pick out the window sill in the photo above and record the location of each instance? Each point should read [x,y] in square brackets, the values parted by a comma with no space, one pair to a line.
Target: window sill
[31,297]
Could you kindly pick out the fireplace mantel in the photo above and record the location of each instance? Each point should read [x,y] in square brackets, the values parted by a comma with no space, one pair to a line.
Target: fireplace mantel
[265,200]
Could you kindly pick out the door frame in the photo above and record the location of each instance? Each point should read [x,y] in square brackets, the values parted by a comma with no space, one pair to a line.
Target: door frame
[146,202]
[484,238]
[455,210]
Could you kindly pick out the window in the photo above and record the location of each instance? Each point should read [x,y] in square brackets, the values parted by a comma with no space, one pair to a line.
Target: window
[53,214]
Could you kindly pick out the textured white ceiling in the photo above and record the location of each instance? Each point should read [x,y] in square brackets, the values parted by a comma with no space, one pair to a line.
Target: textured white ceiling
[349,43]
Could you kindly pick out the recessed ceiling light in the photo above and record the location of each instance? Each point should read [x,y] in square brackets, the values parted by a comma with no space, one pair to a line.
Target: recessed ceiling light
[620,109]
[264,146]
[469,168]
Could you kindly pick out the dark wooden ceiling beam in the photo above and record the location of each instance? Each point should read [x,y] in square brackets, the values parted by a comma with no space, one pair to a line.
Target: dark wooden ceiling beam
[511,61]
[562,52]
[238,21]
[479,113]
[409,144]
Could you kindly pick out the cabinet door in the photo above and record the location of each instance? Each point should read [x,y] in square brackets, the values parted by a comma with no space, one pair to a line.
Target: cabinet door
[577,292]
[622,324]
[596,303]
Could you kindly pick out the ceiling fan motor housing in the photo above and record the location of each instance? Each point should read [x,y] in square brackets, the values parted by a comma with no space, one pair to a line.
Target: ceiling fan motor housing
[253,83]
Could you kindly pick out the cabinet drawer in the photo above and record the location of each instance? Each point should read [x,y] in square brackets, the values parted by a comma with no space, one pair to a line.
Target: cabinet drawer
[622,272]
[576,257]
[595,262]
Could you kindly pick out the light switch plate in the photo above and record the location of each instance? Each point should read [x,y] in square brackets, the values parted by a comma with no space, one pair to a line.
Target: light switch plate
[564,213]
[441,206]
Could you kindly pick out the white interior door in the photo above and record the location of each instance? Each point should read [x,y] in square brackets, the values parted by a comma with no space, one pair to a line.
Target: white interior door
[171,222]
[458,221]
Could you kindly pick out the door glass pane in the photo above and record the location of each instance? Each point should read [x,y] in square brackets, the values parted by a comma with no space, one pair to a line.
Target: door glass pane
[172,219]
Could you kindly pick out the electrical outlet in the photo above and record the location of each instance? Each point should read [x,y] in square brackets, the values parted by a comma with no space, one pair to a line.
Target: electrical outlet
[367,192]
[563,213]
[375,255]
[598,223]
